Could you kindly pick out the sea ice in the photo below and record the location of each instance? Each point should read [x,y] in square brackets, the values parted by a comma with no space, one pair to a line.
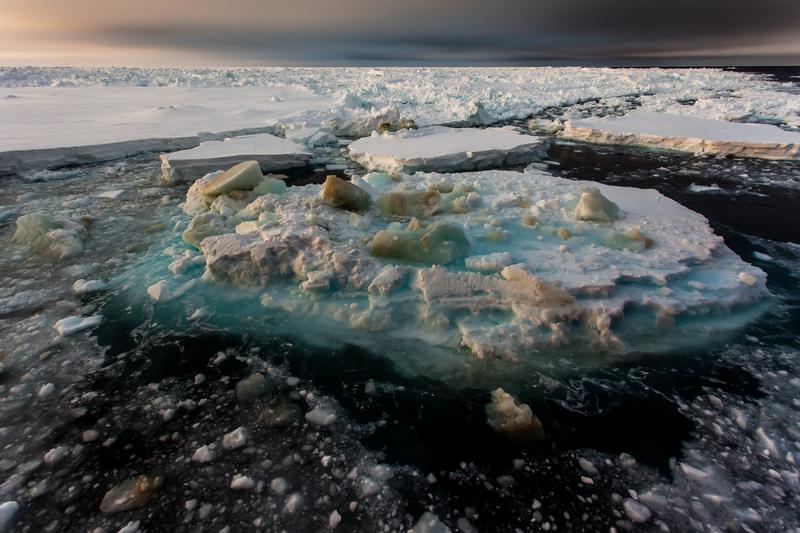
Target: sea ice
[271,153]
[531,264]
[443,149]
[688,134]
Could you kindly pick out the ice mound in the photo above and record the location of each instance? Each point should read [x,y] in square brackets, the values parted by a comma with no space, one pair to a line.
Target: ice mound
[688,134]
[272,154]
[352,120]
[443,149]
[51,237]
[513,276]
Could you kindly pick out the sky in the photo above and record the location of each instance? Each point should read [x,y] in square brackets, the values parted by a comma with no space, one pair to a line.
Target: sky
[399,32]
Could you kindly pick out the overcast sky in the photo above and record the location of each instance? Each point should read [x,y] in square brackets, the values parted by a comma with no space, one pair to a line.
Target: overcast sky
[385,32]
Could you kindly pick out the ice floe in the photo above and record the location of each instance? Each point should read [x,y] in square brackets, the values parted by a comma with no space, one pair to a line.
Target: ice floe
[272,153]
[688,134]
[443,149]
[531,264]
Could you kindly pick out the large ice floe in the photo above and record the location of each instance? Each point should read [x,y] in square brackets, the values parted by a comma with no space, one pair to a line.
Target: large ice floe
[443,149]
[688,134]
[495,267]
[272,154]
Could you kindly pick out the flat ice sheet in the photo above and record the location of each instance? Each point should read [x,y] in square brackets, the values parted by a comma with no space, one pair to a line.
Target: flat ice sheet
[442,148]
[688,133]
[272,153]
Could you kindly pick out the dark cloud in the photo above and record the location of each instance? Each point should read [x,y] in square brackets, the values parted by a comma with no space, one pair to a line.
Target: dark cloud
[446,31]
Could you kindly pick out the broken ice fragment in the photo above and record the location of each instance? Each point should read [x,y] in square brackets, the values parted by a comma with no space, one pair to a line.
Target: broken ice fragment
[419,204]
[75,324]
[242,177]
[270,185]
[252,387]
[595,207]
[440,243]
[505,415]
[340,193]
[53,238]
[202,226]
[130,494]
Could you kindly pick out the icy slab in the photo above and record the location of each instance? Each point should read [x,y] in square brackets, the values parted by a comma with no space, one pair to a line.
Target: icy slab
[688,134]
[445,149]
[532,264]
[272,154]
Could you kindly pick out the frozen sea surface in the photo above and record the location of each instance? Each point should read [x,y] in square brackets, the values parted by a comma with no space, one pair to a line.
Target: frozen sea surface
[701,437]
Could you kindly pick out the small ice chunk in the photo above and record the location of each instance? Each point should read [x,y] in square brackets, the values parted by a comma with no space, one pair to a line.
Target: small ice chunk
[321,416]
[203,454]
[505,415]
[130,494]
[595,207]
[8,512]
[242,177]
[241,482]
[340,193]
[74,324]
[278,485]
[334,519]
[235,439]
[83,286]
[494,262]
[429,523]
[46,390]
[636,511]
[160,291]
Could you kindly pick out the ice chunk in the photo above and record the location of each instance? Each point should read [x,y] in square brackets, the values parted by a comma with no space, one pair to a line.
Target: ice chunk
[266,151]
[440,243]
[8,512]
[406,204]
[505,415]
[445,149]
[83,286]
[655,276]
[340,193]
[75,324]
[51,237]
[595,207]
[429,523]
[321,416]
[688,134]
[270,185]
[202,226]
[130,494]
[242,177]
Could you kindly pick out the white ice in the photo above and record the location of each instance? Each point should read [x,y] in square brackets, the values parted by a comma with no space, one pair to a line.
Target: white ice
[442,149]
[272,153]
[688,134]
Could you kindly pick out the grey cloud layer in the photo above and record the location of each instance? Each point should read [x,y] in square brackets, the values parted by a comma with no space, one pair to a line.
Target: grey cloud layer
[417,31]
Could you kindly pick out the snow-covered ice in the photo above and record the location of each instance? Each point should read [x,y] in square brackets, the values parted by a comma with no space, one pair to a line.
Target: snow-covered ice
[444,149]
[688,134]
[272,154]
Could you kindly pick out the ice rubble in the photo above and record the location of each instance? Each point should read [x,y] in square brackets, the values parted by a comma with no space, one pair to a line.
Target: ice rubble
[52,237]
[688,134]
[119,109]
[591,266]
[272,153]
[443,149]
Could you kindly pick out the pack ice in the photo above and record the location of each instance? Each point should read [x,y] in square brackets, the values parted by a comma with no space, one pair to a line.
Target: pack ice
[272,154]
[438,148]
[505,266]
[688,134]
